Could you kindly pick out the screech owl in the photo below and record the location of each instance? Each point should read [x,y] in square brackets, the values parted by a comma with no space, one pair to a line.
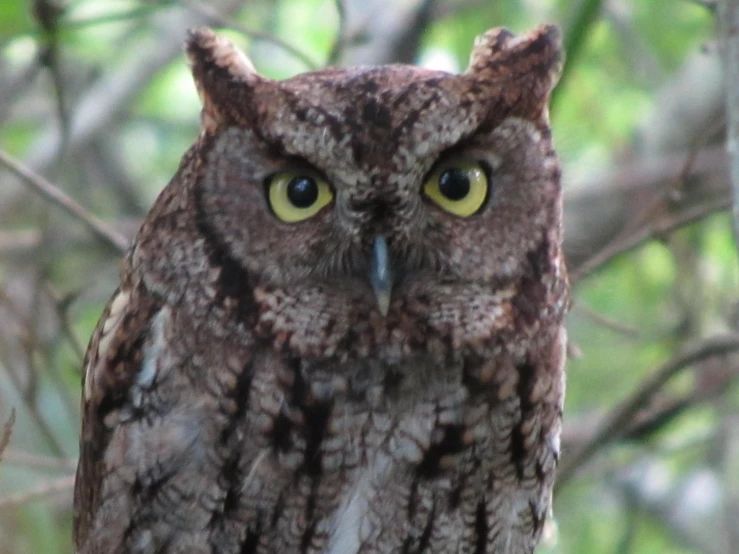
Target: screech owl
[340,327]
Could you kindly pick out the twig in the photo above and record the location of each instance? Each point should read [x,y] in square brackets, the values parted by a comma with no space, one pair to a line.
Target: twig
[674,188]
[16,86]
[220,20]
[61,484]
[647,233]
[56,196]
[7,431]
[111,94]
[51,439]
[40,462]
[18,241]
[605,321]
[710,5]
[68,25]
[16,379]
[618,421]
[32,343]
[729,467]
[338,45]
[668,410]
[42,292]
[729,33]
[378,32]
[61,307]
[48,14]
[575,37]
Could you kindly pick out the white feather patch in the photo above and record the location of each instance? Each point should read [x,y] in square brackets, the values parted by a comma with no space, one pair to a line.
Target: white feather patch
[152,352]
[108,330]
[352,527]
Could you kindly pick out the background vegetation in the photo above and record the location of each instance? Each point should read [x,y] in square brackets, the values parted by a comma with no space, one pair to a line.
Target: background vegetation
[96,105]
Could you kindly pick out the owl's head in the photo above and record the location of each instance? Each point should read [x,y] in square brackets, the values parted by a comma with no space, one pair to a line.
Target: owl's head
[384,182]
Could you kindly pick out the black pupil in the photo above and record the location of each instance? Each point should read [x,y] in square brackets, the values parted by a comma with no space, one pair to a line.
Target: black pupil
[454,184]
[302,191]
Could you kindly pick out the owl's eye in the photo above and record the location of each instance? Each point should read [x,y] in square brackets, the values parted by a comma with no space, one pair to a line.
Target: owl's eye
[459,188]
[295,196]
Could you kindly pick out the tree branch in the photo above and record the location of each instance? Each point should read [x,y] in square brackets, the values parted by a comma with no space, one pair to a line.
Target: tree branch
[6,433]
[52,486]
[112,93]
[618,421]
[648,232]
[35,461]
[729,36]
[48,191]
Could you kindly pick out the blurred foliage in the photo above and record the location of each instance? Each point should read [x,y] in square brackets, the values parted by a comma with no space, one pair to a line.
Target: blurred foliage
[629,316]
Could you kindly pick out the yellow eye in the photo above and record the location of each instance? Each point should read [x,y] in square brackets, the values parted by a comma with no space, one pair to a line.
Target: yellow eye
[295,196]
[459,188]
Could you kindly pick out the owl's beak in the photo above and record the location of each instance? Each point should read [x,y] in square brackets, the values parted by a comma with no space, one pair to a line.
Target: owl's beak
[381,274]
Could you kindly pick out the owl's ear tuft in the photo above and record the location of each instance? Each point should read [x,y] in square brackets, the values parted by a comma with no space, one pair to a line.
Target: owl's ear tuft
[529,63]
[221,72]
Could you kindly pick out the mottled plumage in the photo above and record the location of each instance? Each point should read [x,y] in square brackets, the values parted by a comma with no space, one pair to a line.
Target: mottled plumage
[383,375]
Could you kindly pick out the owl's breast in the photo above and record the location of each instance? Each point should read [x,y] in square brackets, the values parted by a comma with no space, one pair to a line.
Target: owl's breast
[376,455]
[440,418]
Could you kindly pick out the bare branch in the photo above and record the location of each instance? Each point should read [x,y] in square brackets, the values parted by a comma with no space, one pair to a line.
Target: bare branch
[7,431]
[58,198]
[729,36]
[18,241]
[607,322]
[40,462]
[338,47]
[710,5]
[44,490]
[586,16]
[620,418]
[112,93]
[649,232]
[378,32]
[61,307]
[214,18]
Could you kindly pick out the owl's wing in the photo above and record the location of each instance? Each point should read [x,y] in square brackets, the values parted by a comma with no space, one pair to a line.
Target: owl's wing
[113,362]
[165,443]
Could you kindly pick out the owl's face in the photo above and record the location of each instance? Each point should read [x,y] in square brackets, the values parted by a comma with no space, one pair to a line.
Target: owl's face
[381,182]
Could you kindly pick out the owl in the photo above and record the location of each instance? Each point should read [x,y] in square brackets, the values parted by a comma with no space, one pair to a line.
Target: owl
[340,328]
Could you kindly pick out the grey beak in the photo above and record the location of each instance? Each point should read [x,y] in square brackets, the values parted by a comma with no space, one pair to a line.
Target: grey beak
[381,274]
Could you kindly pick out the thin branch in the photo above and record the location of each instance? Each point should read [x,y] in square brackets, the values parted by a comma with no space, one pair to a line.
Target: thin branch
[52,441]
[669,409]
[62,484]
[647,233]
[7,432]
[729,31]
[68,25]
[18,241]
[48,15]
[61,307]
[605,321]
[32,343]
[39,462]
[50,364]
[378,32]
[576,36]
[110,95]
[710,5]
[338,46]
[57,197]
[674,189]
[16,376]
[620,418]
[216,18]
